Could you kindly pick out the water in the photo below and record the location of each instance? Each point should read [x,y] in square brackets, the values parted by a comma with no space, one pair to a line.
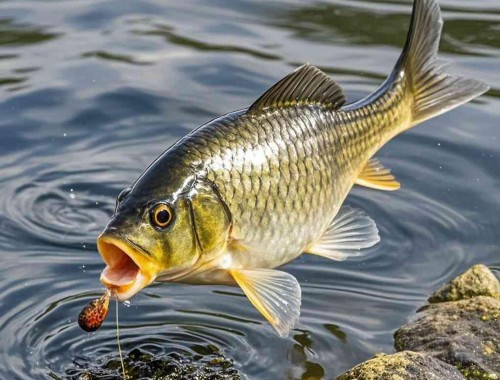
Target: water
[91,92]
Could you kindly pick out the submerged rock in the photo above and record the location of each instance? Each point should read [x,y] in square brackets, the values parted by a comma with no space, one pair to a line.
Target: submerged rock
[477,281]
[405,365]
[139,364]
[463,333]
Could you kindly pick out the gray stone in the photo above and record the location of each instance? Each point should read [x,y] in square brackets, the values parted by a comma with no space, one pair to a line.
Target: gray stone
[477,281]
[404,365]
[465,334]
[208,364]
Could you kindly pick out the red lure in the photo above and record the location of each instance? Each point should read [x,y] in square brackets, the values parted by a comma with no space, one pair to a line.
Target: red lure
[94,313]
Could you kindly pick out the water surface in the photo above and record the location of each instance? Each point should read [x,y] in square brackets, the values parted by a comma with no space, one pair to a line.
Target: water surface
[91,92]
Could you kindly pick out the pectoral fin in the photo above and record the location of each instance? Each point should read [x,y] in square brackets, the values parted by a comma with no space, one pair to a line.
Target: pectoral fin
[274,293]
[350,231]
[376,176]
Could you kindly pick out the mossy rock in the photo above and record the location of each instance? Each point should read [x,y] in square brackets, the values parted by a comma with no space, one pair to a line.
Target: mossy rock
[210,364]
[465,334]
[477,281]
[404,365]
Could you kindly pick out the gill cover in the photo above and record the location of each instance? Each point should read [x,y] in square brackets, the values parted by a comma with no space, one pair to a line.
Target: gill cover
[211,219]
[198,234]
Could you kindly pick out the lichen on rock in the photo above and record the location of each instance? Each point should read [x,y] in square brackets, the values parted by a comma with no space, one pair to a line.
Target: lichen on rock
[464,333]
[477,281]
[404,365]
[457,336]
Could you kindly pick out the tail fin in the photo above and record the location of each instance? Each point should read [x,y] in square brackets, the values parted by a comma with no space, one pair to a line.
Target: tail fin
[434,90]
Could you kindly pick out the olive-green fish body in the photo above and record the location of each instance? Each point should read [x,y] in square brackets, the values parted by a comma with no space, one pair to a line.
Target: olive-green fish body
[285,173]
[252,190]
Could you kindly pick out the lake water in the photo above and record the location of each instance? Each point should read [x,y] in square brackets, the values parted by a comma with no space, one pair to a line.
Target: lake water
[92,91]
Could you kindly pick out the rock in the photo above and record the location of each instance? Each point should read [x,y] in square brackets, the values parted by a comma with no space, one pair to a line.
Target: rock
[465,334]
[477,281]
[404,365]
[457,335]
[207,364]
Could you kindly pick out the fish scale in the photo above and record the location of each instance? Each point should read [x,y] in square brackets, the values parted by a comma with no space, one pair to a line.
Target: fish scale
[282,199]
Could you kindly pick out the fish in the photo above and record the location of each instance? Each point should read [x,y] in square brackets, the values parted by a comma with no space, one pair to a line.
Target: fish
[254,189]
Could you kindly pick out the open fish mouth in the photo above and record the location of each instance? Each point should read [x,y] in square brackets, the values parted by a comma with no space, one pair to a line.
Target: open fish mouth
[127,270]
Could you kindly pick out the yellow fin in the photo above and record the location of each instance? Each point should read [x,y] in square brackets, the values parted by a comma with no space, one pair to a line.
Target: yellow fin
[376,176]
[434,89]
[274,293]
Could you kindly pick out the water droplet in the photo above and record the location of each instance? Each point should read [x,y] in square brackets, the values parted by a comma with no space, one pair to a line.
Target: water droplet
[64,134]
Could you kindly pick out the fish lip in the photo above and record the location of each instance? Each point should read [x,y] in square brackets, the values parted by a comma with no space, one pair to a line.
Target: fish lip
[137,270]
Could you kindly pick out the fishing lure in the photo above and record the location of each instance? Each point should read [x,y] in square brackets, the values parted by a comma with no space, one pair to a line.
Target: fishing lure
[94,313]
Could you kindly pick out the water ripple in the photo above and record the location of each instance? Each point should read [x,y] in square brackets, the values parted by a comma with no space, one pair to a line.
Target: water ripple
[55,207]
[94,91]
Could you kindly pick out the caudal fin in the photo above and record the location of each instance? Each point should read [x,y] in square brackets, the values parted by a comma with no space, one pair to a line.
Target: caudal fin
[435,91]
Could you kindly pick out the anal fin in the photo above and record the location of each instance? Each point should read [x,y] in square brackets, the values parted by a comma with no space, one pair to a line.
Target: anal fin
[274,293]
[350,231]
[376,176]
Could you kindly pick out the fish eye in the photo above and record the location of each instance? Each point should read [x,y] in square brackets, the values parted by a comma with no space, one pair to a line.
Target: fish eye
[161,215]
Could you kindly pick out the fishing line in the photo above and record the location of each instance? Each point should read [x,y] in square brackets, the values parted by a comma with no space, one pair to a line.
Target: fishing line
[118,341]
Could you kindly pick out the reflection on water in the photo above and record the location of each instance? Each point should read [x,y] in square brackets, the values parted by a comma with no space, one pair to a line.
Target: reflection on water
[91,92]
[18,35]
[172,37]
[370,23]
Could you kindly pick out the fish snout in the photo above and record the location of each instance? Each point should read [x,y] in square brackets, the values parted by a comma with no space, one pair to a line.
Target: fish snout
[128,269]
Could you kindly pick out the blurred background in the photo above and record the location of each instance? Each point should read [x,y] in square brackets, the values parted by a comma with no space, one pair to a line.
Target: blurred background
[92,91]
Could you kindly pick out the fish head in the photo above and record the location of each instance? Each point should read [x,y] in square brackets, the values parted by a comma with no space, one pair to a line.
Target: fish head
[165,233]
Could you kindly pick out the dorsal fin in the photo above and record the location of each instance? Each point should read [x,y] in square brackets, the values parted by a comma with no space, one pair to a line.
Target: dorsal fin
[307,85]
